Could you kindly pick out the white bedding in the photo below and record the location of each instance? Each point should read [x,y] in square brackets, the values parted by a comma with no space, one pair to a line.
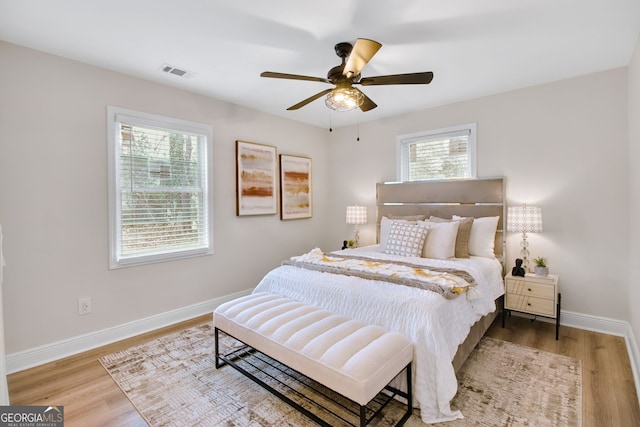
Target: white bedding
[434,324]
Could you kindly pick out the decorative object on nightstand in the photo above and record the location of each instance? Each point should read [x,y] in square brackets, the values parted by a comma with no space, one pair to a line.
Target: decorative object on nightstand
[524,219]
[348,244]
[518,270]
[532,294]
[356,215]
[541,269]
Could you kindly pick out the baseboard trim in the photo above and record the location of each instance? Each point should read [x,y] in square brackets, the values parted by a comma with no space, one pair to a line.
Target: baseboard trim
[30,358]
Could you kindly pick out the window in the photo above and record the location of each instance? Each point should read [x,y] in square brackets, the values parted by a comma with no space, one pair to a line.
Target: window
[438,154]
[159,197]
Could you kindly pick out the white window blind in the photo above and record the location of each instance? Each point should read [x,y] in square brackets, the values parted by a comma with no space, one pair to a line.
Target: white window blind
[160,189]
[439,154]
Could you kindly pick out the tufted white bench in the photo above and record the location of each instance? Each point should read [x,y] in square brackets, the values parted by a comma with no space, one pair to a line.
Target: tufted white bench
[350,357]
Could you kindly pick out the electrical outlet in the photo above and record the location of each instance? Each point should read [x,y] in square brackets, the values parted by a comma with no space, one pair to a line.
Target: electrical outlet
[84,306]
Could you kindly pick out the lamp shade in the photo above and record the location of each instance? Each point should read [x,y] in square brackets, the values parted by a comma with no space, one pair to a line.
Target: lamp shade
[356,214]
[524,219]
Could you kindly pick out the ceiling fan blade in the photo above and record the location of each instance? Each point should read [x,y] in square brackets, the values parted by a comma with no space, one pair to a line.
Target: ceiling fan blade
[310,99]
[293,77]
[362,52]
[399,79]
[367,104]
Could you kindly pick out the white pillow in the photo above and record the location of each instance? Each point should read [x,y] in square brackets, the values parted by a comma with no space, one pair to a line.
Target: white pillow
[405,239]
[483,236]
[385,225]
[462,239]
[441,239]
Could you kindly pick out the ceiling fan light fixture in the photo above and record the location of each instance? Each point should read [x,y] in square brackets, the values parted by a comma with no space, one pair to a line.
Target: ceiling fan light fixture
[344,99]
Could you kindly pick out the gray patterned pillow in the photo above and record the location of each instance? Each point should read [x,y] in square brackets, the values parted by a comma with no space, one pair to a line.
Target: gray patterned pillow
[405,239]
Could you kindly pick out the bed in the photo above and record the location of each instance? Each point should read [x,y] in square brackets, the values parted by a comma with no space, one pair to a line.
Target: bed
[444,322]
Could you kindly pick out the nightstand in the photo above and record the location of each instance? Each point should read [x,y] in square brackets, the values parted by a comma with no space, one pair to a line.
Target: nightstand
[532,294]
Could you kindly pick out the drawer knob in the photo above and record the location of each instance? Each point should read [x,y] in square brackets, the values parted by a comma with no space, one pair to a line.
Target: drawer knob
[529,289]
[529,304]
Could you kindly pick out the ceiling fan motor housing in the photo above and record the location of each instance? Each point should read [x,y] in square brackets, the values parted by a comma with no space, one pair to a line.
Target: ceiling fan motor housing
[335,75]
[343,49]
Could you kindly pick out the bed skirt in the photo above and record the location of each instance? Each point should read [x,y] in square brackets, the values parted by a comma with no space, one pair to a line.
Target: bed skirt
[475,334]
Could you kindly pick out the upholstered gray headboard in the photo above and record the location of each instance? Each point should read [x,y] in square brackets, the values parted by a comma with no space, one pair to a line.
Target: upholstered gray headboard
[465,197]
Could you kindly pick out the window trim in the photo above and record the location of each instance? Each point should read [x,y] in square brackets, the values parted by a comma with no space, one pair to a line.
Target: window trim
[404,140]
[114,116]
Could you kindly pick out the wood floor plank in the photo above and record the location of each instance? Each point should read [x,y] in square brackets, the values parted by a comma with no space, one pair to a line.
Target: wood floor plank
[81,384]
[609,396]
[91,397]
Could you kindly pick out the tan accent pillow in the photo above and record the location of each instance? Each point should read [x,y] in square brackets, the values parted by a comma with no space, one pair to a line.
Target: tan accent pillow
[462,238]
[483,235]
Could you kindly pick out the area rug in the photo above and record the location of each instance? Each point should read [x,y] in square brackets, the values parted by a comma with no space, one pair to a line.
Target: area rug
[172,381]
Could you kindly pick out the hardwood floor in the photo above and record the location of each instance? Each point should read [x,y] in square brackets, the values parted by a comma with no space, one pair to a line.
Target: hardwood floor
[609,396]
[91,398]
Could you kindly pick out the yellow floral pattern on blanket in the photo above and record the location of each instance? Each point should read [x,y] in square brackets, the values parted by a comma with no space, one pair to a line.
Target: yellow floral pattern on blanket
[446,281]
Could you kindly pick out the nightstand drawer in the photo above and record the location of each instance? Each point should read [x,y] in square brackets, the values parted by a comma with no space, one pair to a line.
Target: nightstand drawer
[527,288]
[532,294]
[528,304]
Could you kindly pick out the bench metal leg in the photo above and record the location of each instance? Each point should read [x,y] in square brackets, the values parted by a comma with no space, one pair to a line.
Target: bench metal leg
[409,398]
[275,392]
[219,362]
[228,359]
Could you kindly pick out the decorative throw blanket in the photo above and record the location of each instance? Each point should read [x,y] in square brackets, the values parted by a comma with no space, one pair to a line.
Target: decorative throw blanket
[447,282]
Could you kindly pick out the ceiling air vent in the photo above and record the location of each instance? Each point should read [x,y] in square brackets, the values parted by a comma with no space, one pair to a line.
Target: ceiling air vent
[170,69]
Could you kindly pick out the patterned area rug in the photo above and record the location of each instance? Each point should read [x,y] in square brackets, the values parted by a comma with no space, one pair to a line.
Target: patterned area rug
[172,381]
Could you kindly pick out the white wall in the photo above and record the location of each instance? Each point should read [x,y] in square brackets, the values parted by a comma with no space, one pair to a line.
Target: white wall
[634,194]
[53,200]
[562,146]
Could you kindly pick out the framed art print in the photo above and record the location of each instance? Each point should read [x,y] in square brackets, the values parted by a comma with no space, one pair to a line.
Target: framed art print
[295,187]
[256,179]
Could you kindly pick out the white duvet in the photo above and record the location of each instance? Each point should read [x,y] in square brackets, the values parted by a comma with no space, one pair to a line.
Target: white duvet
[435,325]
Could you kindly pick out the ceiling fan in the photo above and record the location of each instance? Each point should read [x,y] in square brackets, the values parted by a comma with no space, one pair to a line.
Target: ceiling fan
[345,97]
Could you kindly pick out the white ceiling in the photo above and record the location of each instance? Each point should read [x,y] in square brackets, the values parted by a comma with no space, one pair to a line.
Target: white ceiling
[474,48]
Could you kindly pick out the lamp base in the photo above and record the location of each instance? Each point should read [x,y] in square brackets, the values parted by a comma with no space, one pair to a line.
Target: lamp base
[356,236]
[524,253]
